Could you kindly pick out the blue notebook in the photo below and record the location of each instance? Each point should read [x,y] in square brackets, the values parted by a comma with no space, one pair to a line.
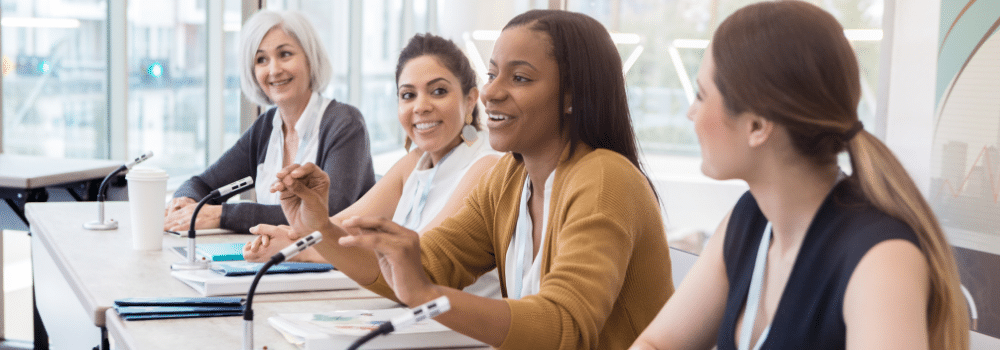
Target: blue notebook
[164,310]
[243,268]
[221,251]
[189,315]
[160,308]
[214,301]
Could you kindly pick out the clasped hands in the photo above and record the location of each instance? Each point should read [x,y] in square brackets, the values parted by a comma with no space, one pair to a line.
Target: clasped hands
[304,199]
[178,215]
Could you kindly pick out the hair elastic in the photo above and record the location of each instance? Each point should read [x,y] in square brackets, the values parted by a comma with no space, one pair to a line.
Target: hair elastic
[858,126]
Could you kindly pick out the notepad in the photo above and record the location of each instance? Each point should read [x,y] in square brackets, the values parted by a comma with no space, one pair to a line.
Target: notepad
[210,283]
[243,268]
[339,329]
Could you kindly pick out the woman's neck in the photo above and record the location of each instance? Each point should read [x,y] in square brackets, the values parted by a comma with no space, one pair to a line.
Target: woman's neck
[436,156]
[542,162]
[789,194]
[292,111]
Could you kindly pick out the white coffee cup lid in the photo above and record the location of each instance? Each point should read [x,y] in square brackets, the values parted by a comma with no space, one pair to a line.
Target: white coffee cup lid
[146,173]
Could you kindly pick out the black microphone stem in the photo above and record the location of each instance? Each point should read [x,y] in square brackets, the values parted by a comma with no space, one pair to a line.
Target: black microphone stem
[104,185]
[248,309]
[194,216]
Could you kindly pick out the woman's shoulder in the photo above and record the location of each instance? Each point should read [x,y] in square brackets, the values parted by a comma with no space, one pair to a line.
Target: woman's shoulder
[338,113]
[852,212]
[611,166]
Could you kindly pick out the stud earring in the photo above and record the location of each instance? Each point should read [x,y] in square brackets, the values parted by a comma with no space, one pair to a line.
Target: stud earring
[569,110]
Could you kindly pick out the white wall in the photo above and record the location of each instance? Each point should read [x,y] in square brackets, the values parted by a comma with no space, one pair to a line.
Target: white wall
[909,125]
[910,128]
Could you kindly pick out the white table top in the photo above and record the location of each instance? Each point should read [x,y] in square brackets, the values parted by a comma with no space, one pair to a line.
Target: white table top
[101,266]
[28,172]
[223,332]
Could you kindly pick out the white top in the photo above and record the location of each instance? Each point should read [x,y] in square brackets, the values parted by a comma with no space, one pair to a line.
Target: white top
[523,272]
[437,183]
[427,190]
[308,129]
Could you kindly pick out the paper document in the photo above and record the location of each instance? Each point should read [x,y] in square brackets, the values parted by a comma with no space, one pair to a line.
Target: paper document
[339,329]
[210,283]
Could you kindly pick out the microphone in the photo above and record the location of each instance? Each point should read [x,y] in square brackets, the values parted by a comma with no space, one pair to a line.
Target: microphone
[111,224]
[297,247]
[192,264]
[287,253]
[430,309]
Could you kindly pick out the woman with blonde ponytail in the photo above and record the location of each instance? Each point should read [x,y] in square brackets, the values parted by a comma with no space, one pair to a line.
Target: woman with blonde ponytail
[809,258]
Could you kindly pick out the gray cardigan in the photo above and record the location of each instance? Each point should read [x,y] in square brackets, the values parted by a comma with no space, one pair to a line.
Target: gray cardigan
[343,154]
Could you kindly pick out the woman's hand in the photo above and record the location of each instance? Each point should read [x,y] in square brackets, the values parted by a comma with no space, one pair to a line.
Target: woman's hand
[270,239]
[180,220]
[304,198]
[178,203]
[398,253]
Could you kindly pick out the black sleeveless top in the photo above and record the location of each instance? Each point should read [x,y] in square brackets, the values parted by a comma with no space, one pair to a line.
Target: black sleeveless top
[810,313]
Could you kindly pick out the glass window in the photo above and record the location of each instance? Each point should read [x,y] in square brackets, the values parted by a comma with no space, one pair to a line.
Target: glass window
[167,47]
[54,69]
[55,78]
[385,27]
[662,42]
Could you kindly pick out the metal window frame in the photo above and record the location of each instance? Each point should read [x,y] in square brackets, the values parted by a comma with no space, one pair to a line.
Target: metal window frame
[117,100]
[215,113]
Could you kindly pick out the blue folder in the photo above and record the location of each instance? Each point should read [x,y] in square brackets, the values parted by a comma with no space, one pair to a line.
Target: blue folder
[212,301]
[243,268]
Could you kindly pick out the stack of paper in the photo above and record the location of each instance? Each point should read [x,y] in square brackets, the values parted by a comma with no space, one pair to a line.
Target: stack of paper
[340,329]
[209,282]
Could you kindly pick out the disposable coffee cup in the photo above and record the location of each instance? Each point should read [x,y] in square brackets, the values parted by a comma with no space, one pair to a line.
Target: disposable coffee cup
[147,190]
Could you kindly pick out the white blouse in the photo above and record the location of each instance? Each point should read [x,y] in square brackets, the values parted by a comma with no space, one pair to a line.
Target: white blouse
[427,190]
[308,129]
[523,271]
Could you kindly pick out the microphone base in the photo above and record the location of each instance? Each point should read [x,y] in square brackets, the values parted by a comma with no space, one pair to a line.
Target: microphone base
[101,226]
[188,265]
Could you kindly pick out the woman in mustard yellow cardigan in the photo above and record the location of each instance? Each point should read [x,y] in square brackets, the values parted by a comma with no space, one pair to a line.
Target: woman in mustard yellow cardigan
[567,217]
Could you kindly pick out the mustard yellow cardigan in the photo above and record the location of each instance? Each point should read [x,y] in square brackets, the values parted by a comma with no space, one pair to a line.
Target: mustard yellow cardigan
[605,269]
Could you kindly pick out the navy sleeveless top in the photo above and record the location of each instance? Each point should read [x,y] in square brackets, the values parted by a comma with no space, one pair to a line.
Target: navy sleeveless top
[810,312]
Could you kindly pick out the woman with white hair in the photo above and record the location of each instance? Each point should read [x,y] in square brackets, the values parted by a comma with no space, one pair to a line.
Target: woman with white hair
[282,63]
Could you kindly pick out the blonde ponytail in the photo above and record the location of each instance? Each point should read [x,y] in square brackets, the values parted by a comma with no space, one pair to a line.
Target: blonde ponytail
[886,184]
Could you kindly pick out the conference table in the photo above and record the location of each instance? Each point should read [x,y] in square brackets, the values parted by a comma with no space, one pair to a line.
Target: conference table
[24,179]
[79,273]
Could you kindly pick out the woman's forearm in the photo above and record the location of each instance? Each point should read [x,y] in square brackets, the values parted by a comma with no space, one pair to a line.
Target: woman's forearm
[357,263]
[483,319]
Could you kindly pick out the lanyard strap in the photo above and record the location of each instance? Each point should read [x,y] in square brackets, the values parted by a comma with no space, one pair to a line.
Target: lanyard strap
[417,209]
[753,298]
[522,239]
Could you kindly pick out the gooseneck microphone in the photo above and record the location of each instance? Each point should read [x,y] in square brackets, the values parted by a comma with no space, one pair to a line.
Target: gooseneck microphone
[111,224]
[191,263]
[284,254]
[428,310]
